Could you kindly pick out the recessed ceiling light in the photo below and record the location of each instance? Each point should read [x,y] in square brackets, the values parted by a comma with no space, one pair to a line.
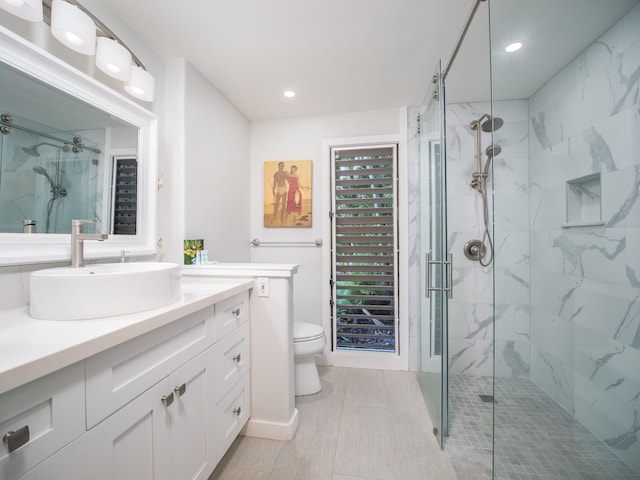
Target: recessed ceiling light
[512,47]
[289,94]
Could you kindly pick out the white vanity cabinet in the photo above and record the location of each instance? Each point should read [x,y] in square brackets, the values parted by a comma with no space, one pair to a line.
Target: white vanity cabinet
[165,405]
[170,430]
[42,417]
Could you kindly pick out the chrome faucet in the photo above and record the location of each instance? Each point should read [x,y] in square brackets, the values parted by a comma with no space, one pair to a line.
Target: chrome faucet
[77,241]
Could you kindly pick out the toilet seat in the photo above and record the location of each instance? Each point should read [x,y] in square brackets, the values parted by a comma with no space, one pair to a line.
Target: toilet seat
[306,332]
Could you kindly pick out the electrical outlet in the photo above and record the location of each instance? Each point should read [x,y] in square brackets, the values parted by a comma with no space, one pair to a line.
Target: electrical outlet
[263,286]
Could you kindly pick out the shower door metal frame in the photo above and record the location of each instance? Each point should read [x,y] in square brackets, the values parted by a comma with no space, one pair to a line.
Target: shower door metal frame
[437,274]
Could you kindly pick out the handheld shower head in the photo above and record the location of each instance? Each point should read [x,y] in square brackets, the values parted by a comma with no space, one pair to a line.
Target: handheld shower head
[41,171]
[57,189]
[493,151]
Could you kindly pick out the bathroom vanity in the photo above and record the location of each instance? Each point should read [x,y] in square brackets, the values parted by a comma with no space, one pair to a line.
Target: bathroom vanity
[159,394]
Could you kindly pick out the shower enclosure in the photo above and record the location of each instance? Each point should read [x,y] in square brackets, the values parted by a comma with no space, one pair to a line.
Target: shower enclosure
[540,344]
[47,177]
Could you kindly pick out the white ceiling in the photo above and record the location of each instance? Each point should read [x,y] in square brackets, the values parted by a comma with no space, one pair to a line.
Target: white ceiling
[358,55]
[338,55]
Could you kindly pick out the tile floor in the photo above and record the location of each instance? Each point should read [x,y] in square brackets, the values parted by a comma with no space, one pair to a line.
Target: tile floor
[364,424]
[535,439]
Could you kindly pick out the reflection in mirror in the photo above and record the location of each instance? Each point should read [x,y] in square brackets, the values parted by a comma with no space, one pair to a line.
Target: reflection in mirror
[57,159]
[62,134]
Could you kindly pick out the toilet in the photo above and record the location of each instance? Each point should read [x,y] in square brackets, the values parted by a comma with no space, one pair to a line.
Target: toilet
[308,341]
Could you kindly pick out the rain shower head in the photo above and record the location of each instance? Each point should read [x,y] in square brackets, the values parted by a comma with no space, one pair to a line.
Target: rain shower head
[492,124]
[32,151]
[486,123]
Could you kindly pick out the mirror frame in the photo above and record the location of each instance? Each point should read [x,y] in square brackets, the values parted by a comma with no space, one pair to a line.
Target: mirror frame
[22,249]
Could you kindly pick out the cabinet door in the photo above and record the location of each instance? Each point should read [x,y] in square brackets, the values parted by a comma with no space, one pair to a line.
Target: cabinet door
[133,443]
[70,463]
[232,413]
[48,411]
[192,440]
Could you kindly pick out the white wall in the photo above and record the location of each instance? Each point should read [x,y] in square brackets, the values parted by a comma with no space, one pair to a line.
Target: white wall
[302,139]
[203,141]
[210,139]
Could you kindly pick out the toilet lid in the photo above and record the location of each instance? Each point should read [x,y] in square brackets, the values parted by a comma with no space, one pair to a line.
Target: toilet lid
[306,331]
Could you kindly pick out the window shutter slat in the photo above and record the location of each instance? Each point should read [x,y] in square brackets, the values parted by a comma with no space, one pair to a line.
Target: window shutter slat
[365,267]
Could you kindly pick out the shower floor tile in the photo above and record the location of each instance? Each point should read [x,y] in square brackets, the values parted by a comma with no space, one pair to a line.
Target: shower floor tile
[535,438]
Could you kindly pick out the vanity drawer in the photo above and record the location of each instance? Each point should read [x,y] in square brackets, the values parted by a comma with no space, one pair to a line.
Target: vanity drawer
[232,359]
[232,414]
[53,410]
[120,374]
[230,314]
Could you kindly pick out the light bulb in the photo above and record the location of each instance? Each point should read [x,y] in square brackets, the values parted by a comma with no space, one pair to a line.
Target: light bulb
[512,47]
[73,38]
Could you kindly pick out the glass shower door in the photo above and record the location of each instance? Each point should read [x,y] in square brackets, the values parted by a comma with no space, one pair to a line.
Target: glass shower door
[433,254]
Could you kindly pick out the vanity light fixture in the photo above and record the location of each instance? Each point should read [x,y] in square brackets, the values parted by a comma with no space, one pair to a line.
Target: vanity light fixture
[141,84]
[113,59]
[80,30]
[73,27]
[512,47]
[30,10]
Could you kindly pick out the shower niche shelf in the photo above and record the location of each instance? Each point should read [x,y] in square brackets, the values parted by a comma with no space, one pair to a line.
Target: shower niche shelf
[584,202]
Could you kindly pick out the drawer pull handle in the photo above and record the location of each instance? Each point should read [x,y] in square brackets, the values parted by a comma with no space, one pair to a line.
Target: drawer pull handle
[237,357]
[181,389]
[236,312]
[167,399]
[16,439]
[237,411]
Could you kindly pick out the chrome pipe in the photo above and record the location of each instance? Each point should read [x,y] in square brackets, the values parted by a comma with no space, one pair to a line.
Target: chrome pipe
[463,33]
[7,122]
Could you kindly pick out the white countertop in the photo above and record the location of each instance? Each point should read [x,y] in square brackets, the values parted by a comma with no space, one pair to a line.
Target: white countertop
[242,270]
[31,348]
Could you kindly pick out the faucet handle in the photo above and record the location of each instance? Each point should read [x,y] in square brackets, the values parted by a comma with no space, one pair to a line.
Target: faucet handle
[77,225]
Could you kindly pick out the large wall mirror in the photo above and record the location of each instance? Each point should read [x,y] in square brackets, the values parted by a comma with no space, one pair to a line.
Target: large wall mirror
[70,148]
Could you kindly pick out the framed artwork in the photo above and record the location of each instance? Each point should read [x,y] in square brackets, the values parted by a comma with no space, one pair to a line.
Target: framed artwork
[287,193]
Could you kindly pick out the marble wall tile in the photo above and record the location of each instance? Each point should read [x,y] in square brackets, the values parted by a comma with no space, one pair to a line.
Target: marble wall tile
[620,194]
[512,249]
[552,376]
[470,357]
[470,321]
[633,258]
[585,287]
[612,313]
[512,358]
[511,212]
[631,25]
[547,208]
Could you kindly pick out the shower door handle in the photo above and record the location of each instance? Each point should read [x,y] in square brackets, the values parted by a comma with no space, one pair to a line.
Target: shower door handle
[449,264]
[427,267]
[449,287]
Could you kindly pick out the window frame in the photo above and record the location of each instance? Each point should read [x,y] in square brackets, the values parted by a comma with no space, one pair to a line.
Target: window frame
[395,250]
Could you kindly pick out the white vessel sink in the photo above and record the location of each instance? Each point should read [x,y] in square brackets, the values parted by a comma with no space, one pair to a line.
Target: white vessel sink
[102,290]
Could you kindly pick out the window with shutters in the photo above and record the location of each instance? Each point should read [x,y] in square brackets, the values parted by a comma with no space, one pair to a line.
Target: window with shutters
[364,269]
